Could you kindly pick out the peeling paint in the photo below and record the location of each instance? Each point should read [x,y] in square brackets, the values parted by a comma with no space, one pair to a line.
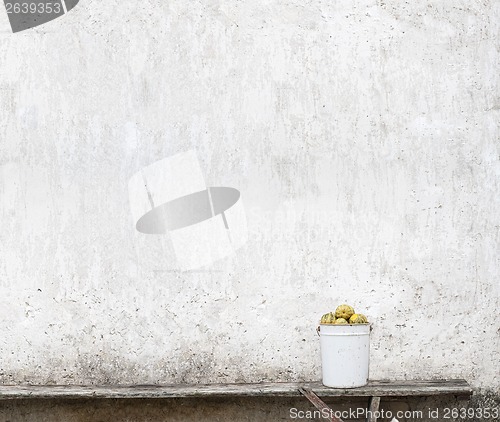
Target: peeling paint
[363,136]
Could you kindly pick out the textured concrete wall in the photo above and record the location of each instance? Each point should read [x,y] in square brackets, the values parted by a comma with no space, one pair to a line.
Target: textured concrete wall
[363,136]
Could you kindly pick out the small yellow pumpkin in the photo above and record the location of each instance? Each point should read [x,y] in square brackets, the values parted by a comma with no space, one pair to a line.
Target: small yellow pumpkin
[328,318]
[344,311]
[358,319]
[340,321]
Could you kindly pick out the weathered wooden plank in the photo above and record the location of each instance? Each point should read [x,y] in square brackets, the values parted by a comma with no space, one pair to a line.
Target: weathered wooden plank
[373,410]
[400,388]
[326,411]
[291,389]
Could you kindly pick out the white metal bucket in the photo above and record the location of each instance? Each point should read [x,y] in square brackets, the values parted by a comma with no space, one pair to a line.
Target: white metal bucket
[345,354]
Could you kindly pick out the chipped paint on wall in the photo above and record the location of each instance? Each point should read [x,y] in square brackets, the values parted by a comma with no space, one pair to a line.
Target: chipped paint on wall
[364,135]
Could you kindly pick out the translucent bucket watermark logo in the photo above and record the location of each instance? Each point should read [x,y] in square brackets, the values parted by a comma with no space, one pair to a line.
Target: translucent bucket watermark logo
[25,14]
[170,197]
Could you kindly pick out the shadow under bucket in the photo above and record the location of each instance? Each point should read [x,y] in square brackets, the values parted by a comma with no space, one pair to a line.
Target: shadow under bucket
[345,354]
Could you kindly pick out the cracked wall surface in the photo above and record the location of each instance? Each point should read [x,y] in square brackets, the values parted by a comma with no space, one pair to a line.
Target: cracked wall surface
[363,137]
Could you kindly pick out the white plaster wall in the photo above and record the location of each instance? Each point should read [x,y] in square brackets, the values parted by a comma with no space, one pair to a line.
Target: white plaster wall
[362,134]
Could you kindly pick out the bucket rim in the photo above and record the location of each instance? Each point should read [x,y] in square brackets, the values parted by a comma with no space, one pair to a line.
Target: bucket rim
[338,327]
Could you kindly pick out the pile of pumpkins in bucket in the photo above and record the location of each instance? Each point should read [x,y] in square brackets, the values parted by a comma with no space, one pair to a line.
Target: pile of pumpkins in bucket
[345,348]
[344,314]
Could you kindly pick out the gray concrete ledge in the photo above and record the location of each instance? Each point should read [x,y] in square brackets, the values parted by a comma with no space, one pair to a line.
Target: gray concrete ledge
[289,389]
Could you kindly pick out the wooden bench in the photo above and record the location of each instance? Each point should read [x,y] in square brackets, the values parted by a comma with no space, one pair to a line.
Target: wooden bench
[375,390]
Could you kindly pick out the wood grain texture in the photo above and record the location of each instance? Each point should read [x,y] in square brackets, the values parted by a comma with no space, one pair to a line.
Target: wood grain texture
[320,405]
[288,389]
[374,407]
